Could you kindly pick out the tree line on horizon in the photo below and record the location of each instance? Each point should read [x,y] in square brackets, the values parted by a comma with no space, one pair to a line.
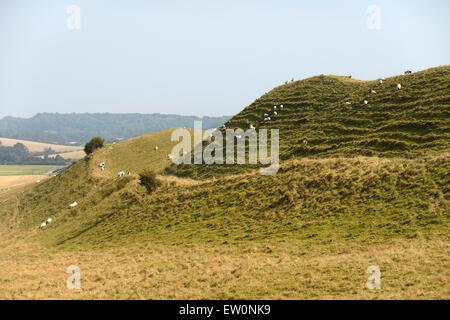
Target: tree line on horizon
[78,129]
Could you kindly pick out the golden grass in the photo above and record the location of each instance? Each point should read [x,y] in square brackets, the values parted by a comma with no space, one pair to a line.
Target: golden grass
[410,269]
[70,155]
[34,146]
[8,182]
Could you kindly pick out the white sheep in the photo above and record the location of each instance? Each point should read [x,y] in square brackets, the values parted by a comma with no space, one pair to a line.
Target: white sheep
[348,103]
[267,119]
[266,115]
[275,113]
[305,142]
[73,205]
[366,102]
[169,156]
[156,148]
[42,225]
[399,86]
[252,127]
[373,91]
[274,107]
[121,174]
[49,220]
[281,106]
[381,81]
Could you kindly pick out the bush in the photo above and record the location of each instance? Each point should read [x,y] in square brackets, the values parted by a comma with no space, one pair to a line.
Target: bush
[94,144]
[149,181]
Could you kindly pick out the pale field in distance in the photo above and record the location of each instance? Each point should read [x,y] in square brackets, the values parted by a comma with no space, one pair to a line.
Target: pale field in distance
[34,146]
[7,182]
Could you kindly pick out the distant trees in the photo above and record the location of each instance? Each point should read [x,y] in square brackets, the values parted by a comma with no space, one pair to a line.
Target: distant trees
[94,144]
[19,154]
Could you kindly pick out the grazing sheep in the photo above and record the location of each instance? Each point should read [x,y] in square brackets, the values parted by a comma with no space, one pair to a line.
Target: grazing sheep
[373,91]
[121,174]
[366,102]
[266,115]
[38,181]
[305,142]
[281,106]
[348,103]
[156,148]
[381,81]
[49,220]
[274,107]
[399,86]
[169,156]
[73,205]
[275,113]
[42,225]
[267,119]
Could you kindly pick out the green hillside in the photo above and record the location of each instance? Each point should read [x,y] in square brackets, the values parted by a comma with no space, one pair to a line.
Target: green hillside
[410,122]
[371,186]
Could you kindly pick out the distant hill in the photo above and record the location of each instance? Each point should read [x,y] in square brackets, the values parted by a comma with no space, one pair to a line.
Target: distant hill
[77,129]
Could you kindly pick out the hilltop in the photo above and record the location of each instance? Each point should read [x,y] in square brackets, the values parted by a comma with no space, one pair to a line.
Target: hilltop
[329,113]
[78,129]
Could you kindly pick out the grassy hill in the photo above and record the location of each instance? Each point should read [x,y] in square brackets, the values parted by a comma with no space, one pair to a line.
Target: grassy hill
[410,122]
[337,205]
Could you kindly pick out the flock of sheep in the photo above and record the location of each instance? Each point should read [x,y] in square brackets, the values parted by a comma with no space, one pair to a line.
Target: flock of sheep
[380,81]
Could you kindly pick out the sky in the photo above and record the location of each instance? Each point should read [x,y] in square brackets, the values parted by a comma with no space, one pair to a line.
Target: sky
[202,57]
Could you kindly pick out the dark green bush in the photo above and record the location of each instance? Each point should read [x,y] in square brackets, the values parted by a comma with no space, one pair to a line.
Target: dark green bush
[94,144]
[149,181]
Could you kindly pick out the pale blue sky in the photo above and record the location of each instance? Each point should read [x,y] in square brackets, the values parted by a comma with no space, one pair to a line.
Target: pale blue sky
[201,57]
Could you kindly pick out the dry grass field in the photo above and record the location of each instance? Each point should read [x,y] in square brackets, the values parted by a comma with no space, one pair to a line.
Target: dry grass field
[8,182]
[70,155]
[271,270]
[68,152]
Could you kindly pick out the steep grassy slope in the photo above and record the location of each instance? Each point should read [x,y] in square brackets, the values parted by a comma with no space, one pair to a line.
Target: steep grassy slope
[360,198]
[410,122]
[134,155]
